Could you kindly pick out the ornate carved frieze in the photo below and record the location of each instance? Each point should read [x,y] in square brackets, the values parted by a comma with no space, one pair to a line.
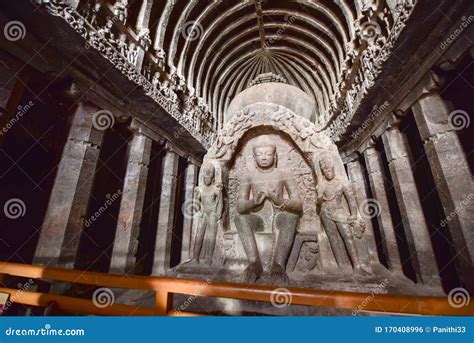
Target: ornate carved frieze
[123,52]
[376,34]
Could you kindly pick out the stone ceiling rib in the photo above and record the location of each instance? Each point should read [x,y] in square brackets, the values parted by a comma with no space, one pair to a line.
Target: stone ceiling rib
[232,88]
[163,24]
[211,50]
[321,7]
[305,41]
[321,86]
[328,73]
[260,23]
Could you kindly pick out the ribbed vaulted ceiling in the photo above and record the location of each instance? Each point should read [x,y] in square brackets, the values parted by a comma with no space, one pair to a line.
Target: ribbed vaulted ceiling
[220,46]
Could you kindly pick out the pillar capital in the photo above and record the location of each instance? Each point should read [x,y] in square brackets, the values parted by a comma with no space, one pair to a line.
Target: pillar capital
[433,82]
[69,91]
[432,115]
[395,144]
[354,157]
[394,120]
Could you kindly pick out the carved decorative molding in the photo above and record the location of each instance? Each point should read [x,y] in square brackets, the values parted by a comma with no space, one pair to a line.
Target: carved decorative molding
[379,42]
[377,31]
[124,62]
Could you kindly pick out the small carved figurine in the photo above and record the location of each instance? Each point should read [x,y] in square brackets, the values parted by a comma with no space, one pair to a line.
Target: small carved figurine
[120,10]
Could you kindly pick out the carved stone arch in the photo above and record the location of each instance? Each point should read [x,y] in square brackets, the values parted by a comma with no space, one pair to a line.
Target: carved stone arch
[302,132]
[261,130]
[290,157]
[292,132]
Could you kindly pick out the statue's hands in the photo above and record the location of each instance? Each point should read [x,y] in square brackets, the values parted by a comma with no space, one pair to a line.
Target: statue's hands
[260,198]
[352,218]
[276,198]
[319,193]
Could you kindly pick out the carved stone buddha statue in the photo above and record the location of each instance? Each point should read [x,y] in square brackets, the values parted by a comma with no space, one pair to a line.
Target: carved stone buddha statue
[267,184]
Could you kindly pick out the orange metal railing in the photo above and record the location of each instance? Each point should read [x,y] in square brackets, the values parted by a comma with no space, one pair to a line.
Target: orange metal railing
[164,289]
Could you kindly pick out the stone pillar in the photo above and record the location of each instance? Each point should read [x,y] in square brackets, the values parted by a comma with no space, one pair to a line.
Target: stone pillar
[409,202]
[167,213]
[63,223]
[131,206]
[191,182]
[384,219]
[359,186]
[452,177]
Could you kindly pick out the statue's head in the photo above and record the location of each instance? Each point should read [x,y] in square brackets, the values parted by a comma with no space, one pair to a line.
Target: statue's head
[209,173]
[327,167]
[264,152]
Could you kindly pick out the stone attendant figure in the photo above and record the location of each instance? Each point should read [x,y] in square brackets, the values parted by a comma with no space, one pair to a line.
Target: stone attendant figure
[267,183]
[209,196]
[334,216]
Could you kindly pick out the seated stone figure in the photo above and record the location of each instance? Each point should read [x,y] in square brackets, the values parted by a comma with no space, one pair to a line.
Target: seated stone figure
[267,183]
[209,197]
[336,221]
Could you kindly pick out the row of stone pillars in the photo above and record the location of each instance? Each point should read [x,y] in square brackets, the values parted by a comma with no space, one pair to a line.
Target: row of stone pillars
[453,181]
[63,224]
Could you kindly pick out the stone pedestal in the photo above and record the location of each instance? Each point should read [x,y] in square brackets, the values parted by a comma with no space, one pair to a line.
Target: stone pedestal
[452,177]
[384,219]
[167,213]
[191,182]
[131,206]
[64,220]
[359,186]
[409,202]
